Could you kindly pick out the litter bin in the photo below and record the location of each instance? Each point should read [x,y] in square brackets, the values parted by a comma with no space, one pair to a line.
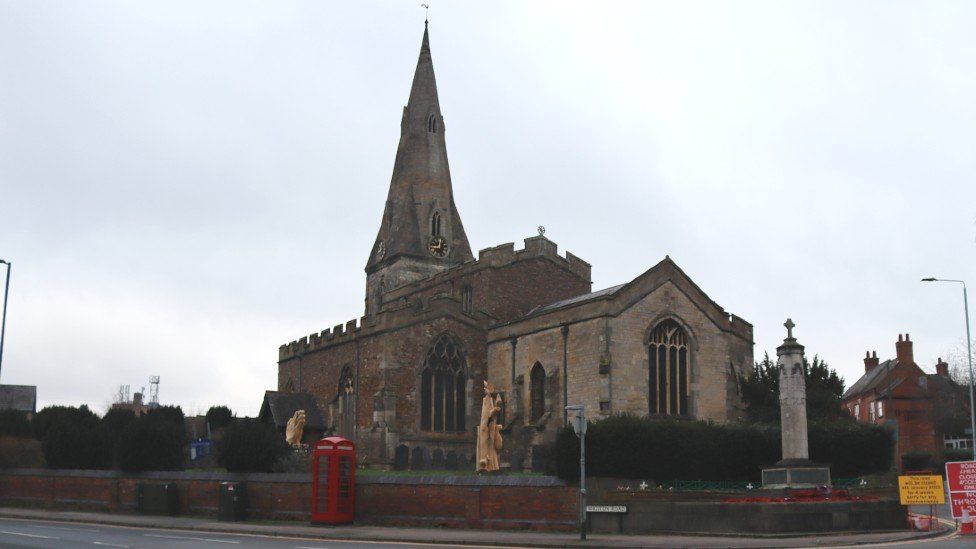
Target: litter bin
[232,504]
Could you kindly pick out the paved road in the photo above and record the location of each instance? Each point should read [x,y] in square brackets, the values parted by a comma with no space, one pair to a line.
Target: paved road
[15,532]
[32,533]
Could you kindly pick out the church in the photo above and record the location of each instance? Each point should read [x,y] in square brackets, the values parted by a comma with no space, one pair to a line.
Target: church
[405,380]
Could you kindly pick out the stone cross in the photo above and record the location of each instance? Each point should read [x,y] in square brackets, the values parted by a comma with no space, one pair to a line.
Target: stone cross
[789,328]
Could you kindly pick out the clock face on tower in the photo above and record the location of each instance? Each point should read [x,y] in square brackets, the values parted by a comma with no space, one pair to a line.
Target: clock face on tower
[437,246]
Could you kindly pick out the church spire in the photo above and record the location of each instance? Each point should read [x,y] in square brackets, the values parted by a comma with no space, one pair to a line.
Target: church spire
[420,221]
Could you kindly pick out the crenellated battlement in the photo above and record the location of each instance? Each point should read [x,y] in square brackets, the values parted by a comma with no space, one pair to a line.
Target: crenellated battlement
[317,340]
[536,246]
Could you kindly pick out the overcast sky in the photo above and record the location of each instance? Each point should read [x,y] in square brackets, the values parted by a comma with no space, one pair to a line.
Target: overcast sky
[184,186]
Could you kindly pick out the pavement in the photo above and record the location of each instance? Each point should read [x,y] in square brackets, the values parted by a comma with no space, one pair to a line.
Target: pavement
[442,536]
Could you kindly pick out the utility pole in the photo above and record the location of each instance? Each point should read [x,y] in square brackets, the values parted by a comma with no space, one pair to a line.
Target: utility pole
[3,323]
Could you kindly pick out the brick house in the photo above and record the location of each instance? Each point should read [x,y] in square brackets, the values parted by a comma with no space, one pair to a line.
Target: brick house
[898,394]
[406,378]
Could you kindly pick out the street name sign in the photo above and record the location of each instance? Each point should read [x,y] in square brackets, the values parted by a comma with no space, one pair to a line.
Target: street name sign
[921,490]
[961,476]
[606,508]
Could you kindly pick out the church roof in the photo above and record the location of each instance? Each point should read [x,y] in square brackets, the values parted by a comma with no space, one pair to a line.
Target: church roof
[578,299]
[279,407]
[421,182]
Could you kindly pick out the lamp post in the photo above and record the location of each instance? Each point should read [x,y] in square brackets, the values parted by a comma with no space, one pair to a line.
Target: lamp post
[579,426]
[969,356]
[3,323]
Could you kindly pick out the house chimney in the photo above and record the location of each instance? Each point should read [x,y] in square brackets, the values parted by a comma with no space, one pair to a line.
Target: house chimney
[903,350]
[942,368]
[870,362]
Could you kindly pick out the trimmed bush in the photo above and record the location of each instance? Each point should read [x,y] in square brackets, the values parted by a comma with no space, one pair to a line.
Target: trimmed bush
[116,419]
[629,446]
[219,417]
[73,438]
[916,461]
[250,446]
[52,415]
[152,442]
[14,423]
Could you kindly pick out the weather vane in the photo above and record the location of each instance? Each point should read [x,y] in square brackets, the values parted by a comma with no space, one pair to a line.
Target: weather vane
[426,12]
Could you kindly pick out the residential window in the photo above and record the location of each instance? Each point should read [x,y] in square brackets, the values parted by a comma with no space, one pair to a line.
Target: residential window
[668,369]
[857,412]
[880,408]
[871,408]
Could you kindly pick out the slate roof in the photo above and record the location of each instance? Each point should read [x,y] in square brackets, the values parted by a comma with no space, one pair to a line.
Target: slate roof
[280,407]
[578,299]
[18,397]
[871,380]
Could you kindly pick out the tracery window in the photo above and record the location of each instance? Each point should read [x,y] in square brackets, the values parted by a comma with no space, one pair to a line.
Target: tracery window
[432,124]
[442,387]
[537,392]
[668,371]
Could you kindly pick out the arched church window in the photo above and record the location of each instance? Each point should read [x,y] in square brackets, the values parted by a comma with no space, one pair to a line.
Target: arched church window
[537,392]
[668,372]
[467,299]
[290,386]
[435,224]
[432,124]
[442,387]
[346,409]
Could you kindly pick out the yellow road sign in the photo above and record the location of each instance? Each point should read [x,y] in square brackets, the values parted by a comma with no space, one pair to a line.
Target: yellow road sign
[921,490]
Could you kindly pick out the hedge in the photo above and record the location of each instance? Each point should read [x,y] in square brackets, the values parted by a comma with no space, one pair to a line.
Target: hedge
[73,438]
[628,446]
[152,442]
[14,423]
[250,446]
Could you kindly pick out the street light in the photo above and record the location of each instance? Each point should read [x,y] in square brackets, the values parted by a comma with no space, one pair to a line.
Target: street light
[969,356]
[579,426]
[3,323]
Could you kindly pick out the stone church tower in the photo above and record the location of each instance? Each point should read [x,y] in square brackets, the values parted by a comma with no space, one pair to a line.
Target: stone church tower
[421,232]
[405,380]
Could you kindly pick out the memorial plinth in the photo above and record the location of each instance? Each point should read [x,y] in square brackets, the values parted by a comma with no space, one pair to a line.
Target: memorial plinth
[795,470]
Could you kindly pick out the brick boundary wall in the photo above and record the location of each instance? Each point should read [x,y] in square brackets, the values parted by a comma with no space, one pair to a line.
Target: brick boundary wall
[493,502]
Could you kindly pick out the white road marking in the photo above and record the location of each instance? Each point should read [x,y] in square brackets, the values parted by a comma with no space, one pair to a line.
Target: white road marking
[64,528]
[110,544]
[191,539]
[27,535]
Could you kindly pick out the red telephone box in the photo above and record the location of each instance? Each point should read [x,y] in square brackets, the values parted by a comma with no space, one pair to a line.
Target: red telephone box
[333,481]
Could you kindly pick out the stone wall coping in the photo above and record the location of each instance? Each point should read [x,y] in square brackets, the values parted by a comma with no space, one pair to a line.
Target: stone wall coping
[296,478]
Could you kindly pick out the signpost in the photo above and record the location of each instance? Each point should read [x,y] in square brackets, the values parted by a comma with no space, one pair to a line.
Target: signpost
[579,426]
[961,476]
[921,490]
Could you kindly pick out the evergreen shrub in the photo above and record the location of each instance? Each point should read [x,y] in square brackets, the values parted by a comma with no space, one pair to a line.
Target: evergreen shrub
[73,438]
[628,446]
[14,423]
[152,442]
[219,417]
[250,446]
[916,461]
